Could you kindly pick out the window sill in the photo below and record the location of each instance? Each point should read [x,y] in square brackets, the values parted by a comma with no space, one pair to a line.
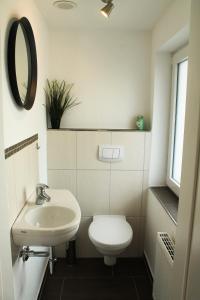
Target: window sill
[168,200]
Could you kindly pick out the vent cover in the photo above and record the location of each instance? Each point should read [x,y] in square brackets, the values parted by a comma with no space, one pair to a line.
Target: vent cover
[163,270]
[64,4]
[167,243]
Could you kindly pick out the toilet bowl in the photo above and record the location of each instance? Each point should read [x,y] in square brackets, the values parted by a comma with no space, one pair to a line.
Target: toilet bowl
[111,235]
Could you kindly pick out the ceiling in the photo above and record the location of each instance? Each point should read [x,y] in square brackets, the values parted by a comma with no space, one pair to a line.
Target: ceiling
[127,14]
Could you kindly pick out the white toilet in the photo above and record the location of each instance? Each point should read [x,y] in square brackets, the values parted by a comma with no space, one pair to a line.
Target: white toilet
[111,235]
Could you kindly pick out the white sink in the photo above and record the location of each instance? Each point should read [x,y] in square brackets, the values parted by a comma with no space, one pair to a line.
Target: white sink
[50,224]
[49,216]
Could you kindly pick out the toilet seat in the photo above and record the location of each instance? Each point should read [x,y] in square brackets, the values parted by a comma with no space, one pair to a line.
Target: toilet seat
[110,231]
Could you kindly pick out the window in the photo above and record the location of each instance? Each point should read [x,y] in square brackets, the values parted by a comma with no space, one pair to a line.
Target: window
[179,90]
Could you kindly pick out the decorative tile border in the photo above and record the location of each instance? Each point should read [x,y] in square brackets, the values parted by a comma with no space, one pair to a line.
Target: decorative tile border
[19,146]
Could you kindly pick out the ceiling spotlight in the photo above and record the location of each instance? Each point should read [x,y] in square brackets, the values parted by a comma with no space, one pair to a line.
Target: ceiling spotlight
[106,10]
[64,4]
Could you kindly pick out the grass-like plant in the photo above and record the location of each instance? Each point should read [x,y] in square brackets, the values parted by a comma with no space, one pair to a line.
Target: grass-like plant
[58,100]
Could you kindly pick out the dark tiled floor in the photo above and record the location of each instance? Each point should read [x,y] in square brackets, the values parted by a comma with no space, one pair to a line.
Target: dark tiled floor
[90,279]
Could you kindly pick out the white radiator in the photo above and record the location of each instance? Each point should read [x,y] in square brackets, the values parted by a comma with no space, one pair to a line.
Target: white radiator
[163,267]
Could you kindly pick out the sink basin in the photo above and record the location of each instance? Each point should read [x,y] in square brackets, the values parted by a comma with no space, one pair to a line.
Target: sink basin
[50,216]
[50,224]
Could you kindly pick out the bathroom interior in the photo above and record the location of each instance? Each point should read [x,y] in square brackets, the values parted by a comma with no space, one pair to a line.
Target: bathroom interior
[102,200]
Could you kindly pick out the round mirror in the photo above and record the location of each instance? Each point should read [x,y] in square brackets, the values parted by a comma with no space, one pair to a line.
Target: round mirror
[22,63]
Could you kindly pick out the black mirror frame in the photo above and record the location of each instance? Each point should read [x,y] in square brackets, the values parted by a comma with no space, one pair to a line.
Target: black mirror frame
[32,63]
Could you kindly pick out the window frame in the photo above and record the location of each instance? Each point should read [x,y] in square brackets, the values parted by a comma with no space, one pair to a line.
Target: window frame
[177,58]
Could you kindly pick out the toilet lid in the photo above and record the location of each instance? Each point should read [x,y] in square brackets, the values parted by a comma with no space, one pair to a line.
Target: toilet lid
[110,230]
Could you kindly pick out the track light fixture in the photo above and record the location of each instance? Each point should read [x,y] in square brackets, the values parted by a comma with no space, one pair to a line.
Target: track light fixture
[106,10]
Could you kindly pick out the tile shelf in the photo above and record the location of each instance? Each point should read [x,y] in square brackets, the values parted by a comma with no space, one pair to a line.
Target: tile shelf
[98,129]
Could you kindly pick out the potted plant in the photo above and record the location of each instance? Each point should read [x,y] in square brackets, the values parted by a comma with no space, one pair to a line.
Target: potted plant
[58,100]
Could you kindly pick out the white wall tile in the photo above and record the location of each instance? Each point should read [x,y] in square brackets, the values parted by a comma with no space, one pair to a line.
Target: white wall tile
[34,167]
[62,179]
[133,249]
[23,180]
[102,190]
[93,191]
[147,153]
[60,250]
[87,149]
[144,193]
[133,143]
[85,248]
[11,189]
[141,234]
[61,149]
[126,192]
[14,250]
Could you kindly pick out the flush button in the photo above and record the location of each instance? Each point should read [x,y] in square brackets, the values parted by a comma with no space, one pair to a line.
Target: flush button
[107,153]
[111,153]
[116,153]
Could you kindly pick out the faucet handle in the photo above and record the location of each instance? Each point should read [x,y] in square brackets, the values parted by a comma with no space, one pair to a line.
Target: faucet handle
[41,193]
[42,185]
[40,188]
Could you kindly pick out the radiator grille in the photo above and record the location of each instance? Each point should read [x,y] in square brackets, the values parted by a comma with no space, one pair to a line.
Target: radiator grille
[168,244]
[164,262]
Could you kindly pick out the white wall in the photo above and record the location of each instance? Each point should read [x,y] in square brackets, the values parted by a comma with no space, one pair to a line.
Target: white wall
[169,34]
[177,21]
[111,73]
[6,279]
[190,164]
[161,119]
[101,187]
[21,180]
[19,123]
[193,287]
[175,18]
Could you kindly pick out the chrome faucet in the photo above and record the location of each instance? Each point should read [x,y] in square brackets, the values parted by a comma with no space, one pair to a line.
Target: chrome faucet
[41,195]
